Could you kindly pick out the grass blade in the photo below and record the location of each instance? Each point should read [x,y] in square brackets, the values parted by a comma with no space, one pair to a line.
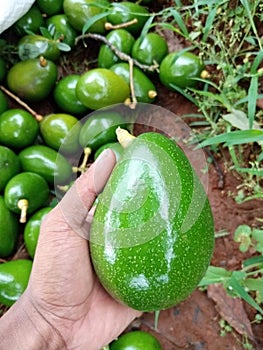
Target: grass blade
[236,286]
[238,137]
[180,22]
[209,23]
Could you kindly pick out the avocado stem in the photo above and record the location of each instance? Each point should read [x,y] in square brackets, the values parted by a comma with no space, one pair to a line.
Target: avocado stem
[133,103]
[156,319]
[82,168]
[42,61]
[152,94]
[37,116]
[110,26]
[123,56]
[23,204]
[124,137]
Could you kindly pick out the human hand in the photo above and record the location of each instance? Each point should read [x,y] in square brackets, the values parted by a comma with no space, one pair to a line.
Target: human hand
[64,299]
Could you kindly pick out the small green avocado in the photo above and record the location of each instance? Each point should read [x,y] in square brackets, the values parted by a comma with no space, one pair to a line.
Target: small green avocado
[8,230]
[32,228]
[33,79]
[25,193]
[47,162]
[14,277]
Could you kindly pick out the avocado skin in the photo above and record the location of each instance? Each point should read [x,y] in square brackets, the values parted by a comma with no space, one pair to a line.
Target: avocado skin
[145,249]
[8,230]
[14,276]
[31,80]
[47,162]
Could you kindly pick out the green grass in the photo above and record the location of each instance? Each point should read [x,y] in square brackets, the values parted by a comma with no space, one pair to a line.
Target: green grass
[225,35]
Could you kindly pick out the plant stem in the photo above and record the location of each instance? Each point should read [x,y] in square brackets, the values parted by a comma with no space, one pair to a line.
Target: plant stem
[37,116]
[123,56]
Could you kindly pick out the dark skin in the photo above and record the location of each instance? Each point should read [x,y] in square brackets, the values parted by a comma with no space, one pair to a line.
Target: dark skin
[64,306]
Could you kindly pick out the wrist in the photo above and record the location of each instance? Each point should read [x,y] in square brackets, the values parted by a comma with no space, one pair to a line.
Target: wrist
[22,327]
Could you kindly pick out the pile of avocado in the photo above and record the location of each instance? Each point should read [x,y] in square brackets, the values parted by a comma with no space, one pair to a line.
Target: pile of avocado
[41,154]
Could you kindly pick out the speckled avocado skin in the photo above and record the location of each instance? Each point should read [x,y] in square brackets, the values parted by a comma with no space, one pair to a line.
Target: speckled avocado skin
[152,235]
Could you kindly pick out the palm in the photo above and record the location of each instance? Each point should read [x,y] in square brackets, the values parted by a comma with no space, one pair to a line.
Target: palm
[63,285]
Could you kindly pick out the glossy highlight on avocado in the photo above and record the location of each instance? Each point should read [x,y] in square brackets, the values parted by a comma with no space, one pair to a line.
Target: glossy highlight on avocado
[14,276]
[32,79]
[8,230]
[152,234]
[46,162]
[100,87]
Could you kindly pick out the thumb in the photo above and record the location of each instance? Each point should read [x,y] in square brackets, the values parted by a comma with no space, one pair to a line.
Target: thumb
[77,202]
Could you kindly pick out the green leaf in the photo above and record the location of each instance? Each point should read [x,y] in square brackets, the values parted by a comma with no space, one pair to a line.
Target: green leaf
[252,100]
[234,285]
[260,157]
[257,234]
[257,61]
[93,20]
[179,20]
[185,94]
[251,40]
[28,51]
[146,27]
[234,138]
[238,119]
[63,47]
[256,285]
[255,260]
[48,32]
[252,171]
[215,274]
[209,23]
[242,236]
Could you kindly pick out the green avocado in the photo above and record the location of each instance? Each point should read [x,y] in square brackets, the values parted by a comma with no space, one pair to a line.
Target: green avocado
[144,89]
[127,11]
[136,340]
[14,276]
[81,11]
[122,40]
[32,79]
[31,21]
[32,228]
[8,230]
[9,165]
[18,128]
[25,193]
[3,101]
[114,146]
[33,46]
[47,162]
[180,69]
[99,129]
[101,87]
[63,26]
[65,95]
[152,235]
[50,7]
[61,132]
[150,49]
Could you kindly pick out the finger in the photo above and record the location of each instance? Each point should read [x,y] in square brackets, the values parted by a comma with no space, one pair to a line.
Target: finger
[77,202]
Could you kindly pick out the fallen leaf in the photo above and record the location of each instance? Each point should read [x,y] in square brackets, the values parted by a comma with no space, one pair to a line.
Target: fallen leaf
[230,309]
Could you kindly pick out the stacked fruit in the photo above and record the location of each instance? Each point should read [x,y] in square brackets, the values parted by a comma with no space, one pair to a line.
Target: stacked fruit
[35,150]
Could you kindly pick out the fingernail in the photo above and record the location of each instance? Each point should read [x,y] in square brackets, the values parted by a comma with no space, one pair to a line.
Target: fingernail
[104,154]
